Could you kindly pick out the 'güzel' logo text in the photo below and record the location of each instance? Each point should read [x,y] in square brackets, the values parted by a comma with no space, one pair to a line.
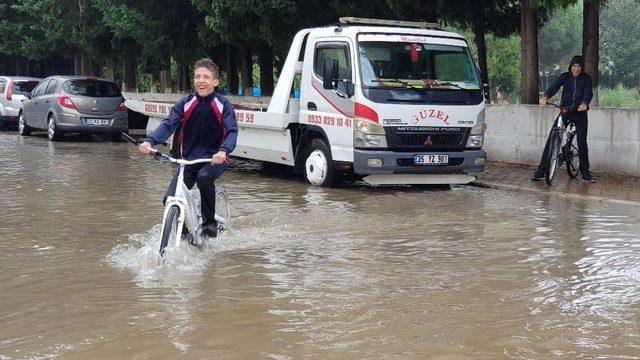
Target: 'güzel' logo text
[431,114]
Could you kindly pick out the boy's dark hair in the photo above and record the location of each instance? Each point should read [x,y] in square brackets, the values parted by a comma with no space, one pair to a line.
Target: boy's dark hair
[208,64]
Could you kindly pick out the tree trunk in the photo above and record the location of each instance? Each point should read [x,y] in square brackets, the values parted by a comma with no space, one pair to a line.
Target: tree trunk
[479,31]
[591,43]
[266,70]
[164,82]
[232,64]
[85,64]
[77,63]
[130,67]
[109,73]
[246,69]
[95,68]
[152,83]
[184,78]
[528,53]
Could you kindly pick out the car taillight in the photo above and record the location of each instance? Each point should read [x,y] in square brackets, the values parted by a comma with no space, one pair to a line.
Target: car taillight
[121,107]
[66,102]
[9,90]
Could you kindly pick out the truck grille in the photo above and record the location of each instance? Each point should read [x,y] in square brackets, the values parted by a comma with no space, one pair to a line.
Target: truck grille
[434,139]
[412,138]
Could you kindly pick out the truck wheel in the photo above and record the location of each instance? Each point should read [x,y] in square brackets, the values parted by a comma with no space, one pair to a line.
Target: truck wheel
[318,167]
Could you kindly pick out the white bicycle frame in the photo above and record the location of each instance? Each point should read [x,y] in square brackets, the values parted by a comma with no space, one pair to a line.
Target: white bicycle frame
[179,199]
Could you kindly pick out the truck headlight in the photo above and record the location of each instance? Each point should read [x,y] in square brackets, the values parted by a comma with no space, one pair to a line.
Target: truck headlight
[368,134]
[476,137]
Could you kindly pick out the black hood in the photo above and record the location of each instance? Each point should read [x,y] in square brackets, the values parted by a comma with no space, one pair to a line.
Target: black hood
[577,59]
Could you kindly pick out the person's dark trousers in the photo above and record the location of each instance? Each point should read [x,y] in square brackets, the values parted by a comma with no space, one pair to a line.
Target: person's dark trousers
[582,124]
[205,176]
[581,121]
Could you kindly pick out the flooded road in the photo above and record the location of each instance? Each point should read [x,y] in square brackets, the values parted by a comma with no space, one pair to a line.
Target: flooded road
[306,272]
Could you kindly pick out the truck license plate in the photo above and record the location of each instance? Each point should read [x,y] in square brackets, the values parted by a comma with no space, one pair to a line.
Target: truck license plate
[436,159]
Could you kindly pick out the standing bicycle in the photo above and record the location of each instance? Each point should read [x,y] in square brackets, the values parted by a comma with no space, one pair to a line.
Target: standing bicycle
[208,130]
[577,92]
[562,149]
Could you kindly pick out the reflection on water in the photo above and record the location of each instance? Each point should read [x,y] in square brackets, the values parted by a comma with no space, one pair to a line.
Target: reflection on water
[360,272]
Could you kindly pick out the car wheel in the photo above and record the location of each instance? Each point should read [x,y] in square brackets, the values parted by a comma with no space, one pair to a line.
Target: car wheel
[53,133]
[318,167]
[23,128]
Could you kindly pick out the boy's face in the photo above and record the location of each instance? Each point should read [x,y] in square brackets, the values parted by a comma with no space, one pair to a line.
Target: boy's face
[576,69]
[204,82]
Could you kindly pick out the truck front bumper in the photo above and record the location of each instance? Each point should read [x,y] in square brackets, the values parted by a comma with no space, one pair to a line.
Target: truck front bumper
[460,162]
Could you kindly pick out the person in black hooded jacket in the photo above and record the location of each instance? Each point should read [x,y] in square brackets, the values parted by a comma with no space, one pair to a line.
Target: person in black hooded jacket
[577,92]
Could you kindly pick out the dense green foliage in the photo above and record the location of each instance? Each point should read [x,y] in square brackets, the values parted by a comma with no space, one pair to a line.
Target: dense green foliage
[144,41]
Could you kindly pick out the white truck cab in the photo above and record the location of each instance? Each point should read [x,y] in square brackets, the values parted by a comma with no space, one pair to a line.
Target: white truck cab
[385,101]
[390,102]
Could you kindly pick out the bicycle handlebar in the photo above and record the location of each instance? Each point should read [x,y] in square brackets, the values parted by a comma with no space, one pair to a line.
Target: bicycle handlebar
[160,155]
[563,110]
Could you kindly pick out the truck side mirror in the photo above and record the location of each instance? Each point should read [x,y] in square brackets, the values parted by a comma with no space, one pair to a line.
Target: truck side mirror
[330,74]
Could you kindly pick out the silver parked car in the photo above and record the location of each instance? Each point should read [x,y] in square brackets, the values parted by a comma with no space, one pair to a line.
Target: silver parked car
[80,104]
[12,95]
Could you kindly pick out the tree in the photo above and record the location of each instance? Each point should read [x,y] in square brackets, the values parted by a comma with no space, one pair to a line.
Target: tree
[532,16]
[559,39]
[529,53]
[619,31]
[63,26]
[483,16]
[591,42]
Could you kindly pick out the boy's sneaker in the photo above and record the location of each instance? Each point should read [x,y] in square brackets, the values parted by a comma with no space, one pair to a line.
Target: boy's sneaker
[587,177]
[210,230]
[537,176]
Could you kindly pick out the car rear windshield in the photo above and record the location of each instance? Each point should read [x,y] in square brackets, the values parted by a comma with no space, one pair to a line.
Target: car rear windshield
[23,87]
[93,88]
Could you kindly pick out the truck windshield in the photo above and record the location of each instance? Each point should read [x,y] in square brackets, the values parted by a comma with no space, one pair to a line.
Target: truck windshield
[417,65]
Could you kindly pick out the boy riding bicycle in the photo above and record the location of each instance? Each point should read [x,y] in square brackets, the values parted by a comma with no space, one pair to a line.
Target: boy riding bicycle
[209,130]
[577,92]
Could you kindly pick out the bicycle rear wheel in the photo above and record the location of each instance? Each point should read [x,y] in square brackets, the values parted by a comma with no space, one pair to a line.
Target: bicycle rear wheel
[571,157]
[223,209]
[169,229]
[553,157]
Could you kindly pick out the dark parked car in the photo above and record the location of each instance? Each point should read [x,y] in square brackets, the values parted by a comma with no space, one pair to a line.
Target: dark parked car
[62,104]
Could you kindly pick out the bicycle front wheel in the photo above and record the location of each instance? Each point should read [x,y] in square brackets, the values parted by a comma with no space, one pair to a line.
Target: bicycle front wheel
[169,229]
[223,209]
[571,157]
[553,157]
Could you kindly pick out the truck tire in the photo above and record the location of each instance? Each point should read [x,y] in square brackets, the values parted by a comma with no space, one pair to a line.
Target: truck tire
[318,168]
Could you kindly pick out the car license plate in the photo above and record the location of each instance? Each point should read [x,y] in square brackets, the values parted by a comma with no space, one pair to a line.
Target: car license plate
[423,159]
[98,122]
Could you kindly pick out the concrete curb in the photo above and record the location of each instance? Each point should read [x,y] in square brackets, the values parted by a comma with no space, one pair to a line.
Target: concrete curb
[508,187]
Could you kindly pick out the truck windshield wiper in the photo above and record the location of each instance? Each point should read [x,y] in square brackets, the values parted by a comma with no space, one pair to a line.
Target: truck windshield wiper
[406,84]
[448,83]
